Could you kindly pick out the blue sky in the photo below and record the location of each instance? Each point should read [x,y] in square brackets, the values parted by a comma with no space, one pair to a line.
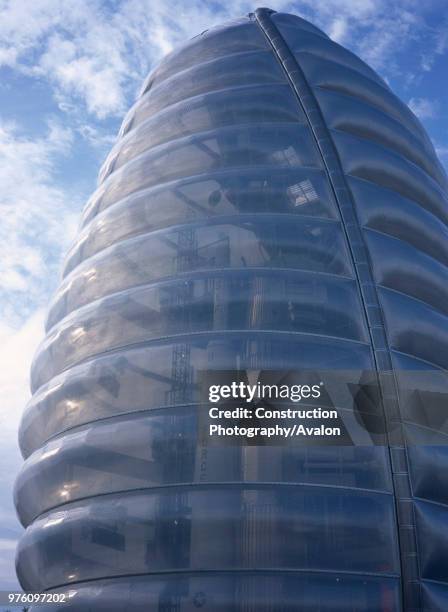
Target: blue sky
[69,70]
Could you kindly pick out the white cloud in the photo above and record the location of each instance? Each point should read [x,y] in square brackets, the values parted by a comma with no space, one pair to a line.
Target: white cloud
[339,29]
[439,39]
[96,55]
[97,137]
[90,66]
[73,44]
[16,350]
[37,217]
[424,108]
[99,56]
[442,151]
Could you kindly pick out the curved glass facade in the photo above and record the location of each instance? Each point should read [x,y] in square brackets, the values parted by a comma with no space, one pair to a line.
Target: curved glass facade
[269,205]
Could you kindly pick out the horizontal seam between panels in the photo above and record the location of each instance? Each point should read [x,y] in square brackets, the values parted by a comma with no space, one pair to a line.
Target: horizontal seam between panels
[170,108]
[340,89]
[404,197]
[199,274]
[315,53]
[414,299]
[220,90]
[235,218]
[435,366]
[433,581]
[136,414]
[421,426]
[259,51]
[243,570]
[390,146]
[431,501]
[171,73]
[401,193]
[146,151]
[195,136]
[192,178]
[404,241]
[201,222]
[393,152]
[195,334]
[186,336]
[206,485]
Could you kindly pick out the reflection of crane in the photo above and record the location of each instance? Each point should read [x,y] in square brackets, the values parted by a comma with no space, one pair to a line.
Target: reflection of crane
[181,375]
[186,259]
[181,371]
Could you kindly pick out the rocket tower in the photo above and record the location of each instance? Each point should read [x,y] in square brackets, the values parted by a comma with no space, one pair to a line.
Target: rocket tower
[269,204]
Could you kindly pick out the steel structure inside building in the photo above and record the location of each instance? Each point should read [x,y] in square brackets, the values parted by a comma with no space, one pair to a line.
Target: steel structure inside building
[269,205]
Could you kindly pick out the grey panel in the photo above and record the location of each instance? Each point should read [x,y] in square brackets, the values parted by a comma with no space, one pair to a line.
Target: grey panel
[422,388]
[347,114]
[314,43]
[378,165]
[287,302]
[227,72]
[253,104]
[333,76]
[415,328]
[221,592]
[425,279]
[390,213]
[284,145]
[428,472]
[142,378]
[432,540]
[214,43]
[265,241]
[298,191]
[176,530]
[435,596]
[161,448]
[296,26]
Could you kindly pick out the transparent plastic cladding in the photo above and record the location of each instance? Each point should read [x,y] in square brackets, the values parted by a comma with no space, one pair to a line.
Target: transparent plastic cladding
[270,204]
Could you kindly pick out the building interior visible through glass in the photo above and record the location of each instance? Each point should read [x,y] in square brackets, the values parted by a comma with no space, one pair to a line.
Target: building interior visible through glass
[270,204]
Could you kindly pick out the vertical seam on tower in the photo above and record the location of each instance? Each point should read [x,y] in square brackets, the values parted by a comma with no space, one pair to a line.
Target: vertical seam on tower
[371,305]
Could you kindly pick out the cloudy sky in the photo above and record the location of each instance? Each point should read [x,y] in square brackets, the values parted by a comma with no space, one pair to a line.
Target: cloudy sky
[69,69]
